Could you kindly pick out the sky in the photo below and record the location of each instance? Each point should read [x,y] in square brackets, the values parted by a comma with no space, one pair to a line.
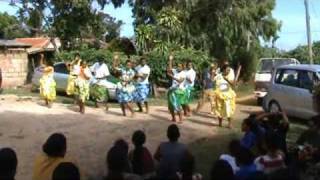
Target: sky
[290,12]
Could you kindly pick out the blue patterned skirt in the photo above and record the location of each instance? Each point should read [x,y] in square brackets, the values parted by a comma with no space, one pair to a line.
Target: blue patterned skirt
[141,93]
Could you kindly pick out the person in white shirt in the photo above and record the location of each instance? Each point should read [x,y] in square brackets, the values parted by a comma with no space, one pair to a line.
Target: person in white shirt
[142,85]
[189,84]
[98,92]
[176,92]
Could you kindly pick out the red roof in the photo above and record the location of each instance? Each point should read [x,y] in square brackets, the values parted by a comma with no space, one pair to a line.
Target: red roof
[40,42]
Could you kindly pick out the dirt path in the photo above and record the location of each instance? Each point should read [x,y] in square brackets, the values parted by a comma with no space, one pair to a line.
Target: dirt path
[25,124]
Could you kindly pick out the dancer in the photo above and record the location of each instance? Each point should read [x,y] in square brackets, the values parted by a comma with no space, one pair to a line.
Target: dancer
[225,96]
[176,92]
[142,85]
[209,86]
[48,85]
[82,86]
[98,92]
[189,84]
[74,68]
[125,88]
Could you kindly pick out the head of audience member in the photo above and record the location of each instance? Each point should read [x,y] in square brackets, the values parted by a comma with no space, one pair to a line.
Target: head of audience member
[129,64]
[187,166]
[116,162]
[189,64]
[66,171]
[55,146]
[180,67]
[138,138]
[8,163]
[213,70]
[274,120]
[221,170]
[244,157]
[143,61]
[173,133]
[234,146]
[101,60]
[249,124]
[122,144]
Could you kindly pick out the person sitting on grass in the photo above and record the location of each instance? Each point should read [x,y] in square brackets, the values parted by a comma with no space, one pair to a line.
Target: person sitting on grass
[66,171]
[54,151]
[8,164]
[221,170]
[169,154]
[233,147]
[245,161]
[117,159]
[254,134]
[141,158]
[187,168]
[274,159]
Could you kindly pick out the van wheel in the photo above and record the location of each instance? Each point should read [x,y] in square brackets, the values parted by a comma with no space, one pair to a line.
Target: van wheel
[274,107]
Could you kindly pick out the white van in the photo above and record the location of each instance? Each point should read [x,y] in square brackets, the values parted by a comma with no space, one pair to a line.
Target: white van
[291,90]
[264,73]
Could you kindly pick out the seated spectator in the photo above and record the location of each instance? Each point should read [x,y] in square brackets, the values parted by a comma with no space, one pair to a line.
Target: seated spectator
[124,145]
[221,170]
[234,146]
[277,123]
[8,164]
[141,159]
[309,146]
[54,151]
[169,154]
[274,159]
[117,159]
[187,168]
[253,137]
[245,162]
[66,171]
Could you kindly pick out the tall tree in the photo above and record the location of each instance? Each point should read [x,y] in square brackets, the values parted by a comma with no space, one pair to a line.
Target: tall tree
[10,27]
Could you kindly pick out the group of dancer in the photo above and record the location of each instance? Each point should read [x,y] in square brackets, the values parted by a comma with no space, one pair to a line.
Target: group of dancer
[132,86]
[218,85]
[84,82]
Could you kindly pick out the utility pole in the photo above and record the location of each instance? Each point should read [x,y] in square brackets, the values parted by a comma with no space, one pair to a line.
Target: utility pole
[306,3]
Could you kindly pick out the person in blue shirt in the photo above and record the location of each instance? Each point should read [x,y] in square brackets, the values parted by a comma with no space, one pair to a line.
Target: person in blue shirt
[245,161]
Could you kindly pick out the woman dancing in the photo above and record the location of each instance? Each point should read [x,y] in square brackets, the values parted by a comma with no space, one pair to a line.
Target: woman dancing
[48,85]
[176,93]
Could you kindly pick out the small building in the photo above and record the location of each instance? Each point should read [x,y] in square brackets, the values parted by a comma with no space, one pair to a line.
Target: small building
[13,63]
[39,45]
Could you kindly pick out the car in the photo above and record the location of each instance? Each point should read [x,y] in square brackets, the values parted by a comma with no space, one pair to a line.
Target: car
[264,72]
[61,74]
[291,90]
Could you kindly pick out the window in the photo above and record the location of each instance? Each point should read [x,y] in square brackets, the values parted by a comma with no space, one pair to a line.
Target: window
[61,68]
[306,79]
[287,77]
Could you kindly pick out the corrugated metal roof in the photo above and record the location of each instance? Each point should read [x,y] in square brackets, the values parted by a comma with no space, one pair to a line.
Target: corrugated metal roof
[12,43]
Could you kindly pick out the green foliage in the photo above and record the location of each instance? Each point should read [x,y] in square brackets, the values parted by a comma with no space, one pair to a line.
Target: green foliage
[301,53]
[10,27]
[122,45]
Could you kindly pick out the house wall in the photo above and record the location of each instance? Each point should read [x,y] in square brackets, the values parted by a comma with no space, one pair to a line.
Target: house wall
[14,65]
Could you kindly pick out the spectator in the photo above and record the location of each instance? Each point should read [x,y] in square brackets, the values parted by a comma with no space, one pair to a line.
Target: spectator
[140,157]
[125,147]
[245,162]
[66,171]
[8,164]
[169,154]
[117,159]
[274,159]
[277,123]
[187,168]
[234,146]
[254,133]
[221,170]
[54,151]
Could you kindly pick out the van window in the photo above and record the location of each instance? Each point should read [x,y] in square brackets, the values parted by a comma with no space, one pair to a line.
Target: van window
[61,68]
[306,79]
[287,77]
